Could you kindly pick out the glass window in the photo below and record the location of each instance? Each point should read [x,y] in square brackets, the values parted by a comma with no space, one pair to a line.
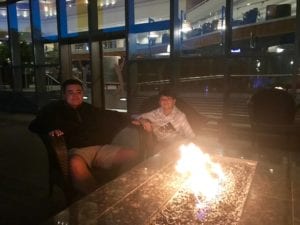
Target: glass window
[24,31]
[5,61]
[149,37]
[77,15]
[202,27]
[3,23]
[51,53]
[151,11]
[48,17]
[111,13]
[23,16]
[52,78]
[247,12]
[114,74]
[25,45]
[268,25]
[81,68]
[5,66]
[146,78]
[152,44]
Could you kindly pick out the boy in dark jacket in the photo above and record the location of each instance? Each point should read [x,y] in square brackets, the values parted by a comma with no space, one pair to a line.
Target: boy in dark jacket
[87,132]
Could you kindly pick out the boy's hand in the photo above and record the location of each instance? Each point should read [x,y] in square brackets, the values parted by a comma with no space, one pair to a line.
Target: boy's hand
[145,123]
[56,133]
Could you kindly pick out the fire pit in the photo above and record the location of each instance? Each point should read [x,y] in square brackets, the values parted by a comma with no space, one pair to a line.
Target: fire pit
[196,207]
[166,190]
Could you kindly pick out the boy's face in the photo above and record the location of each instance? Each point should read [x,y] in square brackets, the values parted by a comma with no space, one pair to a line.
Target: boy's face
[167,102]
[73,95]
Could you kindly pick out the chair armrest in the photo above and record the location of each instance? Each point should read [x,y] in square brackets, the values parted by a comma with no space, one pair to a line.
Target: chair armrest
[61,152]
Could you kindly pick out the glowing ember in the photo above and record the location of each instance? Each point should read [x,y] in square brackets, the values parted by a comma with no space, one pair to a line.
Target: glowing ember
[205,177]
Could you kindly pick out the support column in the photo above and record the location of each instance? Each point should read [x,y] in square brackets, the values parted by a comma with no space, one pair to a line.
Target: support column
[39,57]
[97,76]
[14,47]
[227,53]
[65,61]
[296,66]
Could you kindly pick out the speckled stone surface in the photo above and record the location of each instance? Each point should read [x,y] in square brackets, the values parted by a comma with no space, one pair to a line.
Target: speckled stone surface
[140,194]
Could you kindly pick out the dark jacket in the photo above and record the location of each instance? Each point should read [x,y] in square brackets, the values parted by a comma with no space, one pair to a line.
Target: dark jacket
[84,126]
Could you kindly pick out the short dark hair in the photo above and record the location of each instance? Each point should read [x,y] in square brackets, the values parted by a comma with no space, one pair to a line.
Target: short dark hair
[167,92]
[70,82]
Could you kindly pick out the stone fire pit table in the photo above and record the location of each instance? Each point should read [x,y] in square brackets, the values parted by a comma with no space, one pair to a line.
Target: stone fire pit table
[153,193]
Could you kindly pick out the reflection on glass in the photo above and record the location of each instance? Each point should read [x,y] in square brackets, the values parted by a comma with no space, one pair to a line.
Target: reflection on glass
[114,73]
[111,13]
[52,69]
[23,16]
[202,27]
[151,11]
[28,78]
[77,15]
[273,20]
[81,69]
[51,53]
[153,44]
[48,17]
[24,29]
[5,63]
[247,12]
[3,23]
[25,45]
[52,78]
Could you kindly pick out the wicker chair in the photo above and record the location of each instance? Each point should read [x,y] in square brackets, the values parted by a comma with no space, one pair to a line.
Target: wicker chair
[59,165]
[59,160]
[272,111]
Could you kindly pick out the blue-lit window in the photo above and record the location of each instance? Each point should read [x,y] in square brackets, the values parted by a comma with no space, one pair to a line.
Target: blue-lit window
[24,31]
[47,9]
[149,26]
[3,23]
[23,20]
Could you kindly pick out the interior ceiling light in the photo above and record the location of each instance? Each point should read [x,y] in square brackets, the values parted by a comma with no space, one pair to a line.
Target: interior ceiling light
[107,3]
[153,34]
[3,12]
[275,49]
[186,26]
[279,50]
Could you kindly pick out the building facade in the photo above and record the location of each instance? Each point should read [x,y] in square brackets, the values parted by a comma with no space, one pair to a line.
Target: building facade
[216,53]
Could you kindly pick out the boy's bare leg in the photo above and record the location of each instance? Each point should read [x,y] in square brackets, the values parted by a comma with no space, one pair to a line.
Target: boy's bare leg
[125,159]
[81,176]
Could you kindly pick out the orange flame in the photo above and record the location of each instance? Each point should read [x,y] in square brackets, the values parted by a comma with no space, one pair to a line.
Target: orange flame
[204,176]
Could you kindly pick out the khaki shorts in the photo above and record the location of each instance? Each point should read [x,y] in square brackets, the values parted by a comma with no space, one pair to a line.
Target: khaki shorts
[98,155]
